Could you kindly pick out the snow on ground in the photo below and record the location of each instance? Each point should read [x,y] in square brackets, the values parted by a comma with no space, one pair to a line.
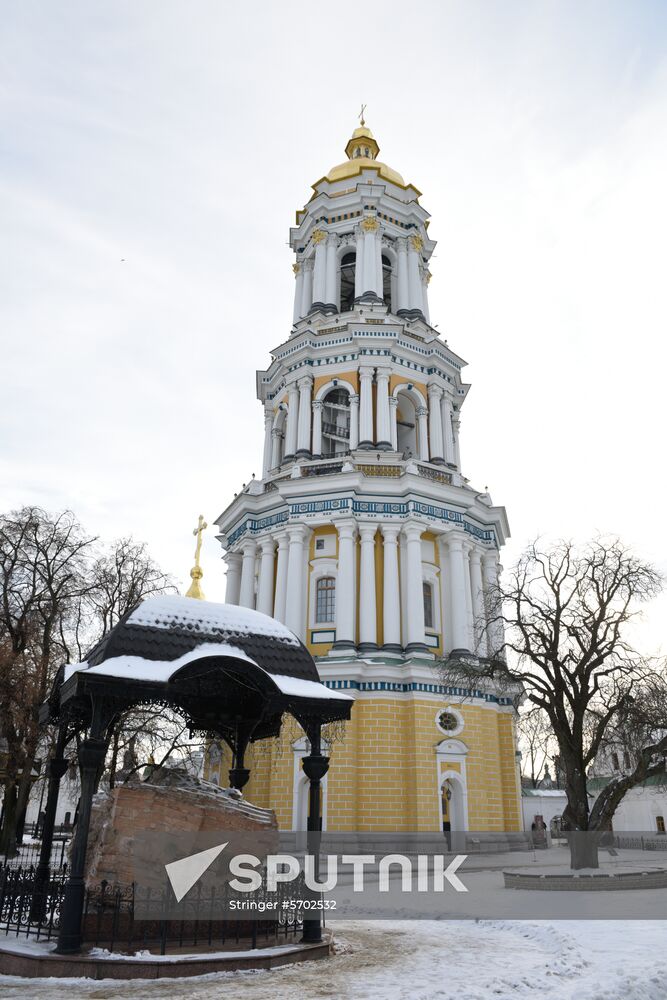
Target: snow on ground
[427,960]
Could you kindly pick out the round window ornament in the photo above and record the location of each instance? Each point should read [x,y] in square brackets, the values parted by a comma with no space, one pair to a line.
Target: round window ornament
[450,721]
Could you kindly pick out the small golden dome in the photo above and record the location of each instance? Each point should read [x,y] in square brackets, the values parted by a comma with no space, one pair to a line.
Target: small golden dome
[362,150]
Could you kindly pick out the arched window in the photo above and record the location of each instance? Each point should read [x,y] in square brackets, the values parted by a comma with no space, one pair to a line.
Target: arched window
[386,280]
[428,605]
[325,600]
[336,423]
[347,268]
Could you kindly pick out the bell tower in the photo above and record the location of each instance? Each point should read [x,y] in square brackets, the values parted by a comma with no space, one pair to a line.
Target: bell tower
[363,534]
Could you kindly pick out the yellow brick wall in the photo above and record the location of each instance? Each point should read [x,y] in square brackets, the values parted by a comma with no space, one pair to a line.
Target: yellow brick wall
[384,775]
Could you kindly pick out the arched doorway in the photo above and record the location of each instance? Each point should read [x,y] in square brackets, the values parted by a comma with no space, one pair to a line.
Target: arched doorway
[453,809]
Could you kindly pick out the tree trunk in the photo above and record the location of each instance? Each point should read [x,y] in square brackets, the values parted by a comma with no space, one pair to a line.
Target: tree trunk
[8,832]
[23,793]
[583,849]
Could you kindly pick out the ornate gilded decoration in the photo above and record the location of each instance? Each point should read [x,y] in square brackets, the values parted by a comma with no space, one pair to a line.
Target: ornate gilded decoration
[197,572]
[296,268]
[417,243]
[388,471]
[369,225]
[318,235]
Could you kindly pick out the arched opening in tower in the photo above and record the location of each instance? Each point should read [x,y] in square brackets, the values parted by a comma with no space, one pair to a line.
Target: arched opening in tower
[336,423]
[347,278]
[406,426]
[387,275]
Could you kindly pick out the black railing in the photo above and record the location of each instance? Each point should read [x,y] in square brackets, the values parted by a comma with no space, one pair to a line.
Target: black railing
[110,916]
[27,856]
[641,841]
[17,896]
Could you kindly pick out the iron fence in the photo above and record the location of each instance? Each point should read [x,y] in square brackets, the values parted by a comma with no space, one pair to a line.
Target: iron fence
[27,856]
[110,918]
[641,842]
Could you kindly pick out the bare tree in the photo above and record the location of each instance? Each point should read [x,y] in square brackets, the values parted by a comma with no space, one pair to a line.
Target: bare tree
[42,580]
[59,595]
[567,614]
[535,741]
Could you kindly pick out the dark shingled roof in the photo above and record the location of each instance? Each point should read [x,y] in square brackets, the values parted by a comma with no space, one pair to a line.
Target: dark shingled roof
[185,623]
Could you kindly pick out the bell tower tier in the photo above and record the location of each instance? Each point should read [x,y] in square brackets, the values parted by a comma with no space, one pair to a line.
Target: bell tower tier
[363,534]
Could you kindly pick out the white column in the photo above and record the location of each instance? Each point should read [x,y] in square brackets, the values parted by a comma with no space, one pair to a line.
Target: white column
[298,291]
[330,289]
[303,441]
[378,263]
[307,287]
[354,423]
[292,420]
[447,432]
[359,264]
[320,267]
[414,277]
[468,595]
[268,450]
[456,427]
[233,590]
[366,436]
[445,594]
[457,595]
[367,602]
[478,619]
[346,586]
[422,427]
[393,425]
[415,590]
[276,438]
[318,406]
[295,579]
[426,277]
[402,276]
[370,266]
[435,424]
[281,576]
[247,596]
[265,591]
[495,629]
[391,610]
[383,419]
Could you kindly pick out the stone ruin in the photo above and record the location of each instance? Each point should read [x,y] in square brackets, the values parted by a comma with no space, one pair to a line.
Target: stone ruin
[169,800]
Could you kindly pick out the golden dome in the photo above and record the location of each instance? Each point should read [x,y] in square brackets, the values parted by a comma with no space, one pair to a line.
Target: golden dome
[362,150]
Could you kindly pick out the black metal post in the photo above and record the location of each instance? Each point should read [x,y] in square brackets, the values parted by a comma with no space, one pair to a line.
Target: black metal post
[238,774]
[56,768]
[91,756]
[315,766]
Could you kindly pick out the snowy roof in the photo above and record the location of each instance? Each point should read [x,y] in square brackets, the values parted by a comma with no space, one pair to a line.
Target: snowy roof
[161,671]
[162,630]
[216,663]
[169,611]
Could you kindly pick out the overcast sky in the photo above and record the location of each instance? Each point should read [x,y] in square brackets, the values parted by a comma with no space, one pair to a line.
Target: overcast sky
[153,156]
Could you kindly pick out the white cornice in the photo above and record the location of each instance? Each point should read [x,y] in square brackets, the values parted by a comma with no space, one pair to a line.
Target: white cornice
[333,496]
